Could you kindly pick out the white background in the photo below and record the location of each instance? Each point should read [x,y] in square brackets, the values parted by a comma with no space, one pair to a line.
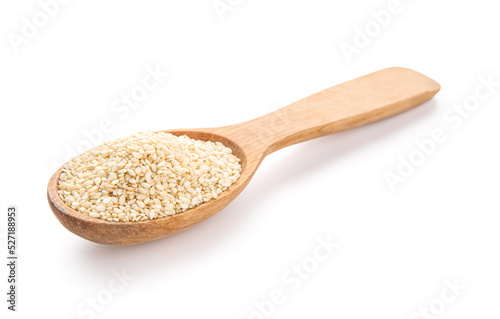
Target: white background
[397,248]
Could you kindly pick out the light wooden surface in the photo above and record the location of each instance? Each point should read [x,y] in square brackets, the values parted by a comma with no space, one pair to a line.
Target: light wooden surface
[354,103]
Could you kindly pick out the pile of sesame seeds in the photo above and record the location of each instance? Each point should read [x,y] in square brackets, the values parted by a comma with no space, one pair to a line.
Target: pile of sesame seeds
[146,176]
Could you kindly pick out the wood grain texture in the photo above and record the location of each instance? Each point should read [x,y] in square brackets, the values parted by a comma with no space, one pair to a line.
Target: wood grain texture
[351,104]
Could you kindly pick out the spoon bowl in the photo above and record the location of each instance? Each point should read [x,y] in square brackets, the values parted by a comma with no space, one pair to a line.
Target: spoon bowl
[126,233]
[351,104]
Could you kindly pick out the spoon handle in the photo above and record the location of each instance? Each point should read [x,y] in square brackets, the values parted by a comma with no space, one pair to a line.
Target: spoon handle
[354,103]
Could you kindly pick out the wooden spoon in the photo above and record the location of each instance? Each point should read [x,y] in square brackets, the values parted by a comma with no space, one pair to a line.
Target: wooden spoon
[357,102]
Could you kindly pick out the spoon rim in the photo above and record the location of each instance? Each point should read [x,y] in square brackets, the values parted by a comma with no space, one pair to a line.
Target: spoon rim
[241,182]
